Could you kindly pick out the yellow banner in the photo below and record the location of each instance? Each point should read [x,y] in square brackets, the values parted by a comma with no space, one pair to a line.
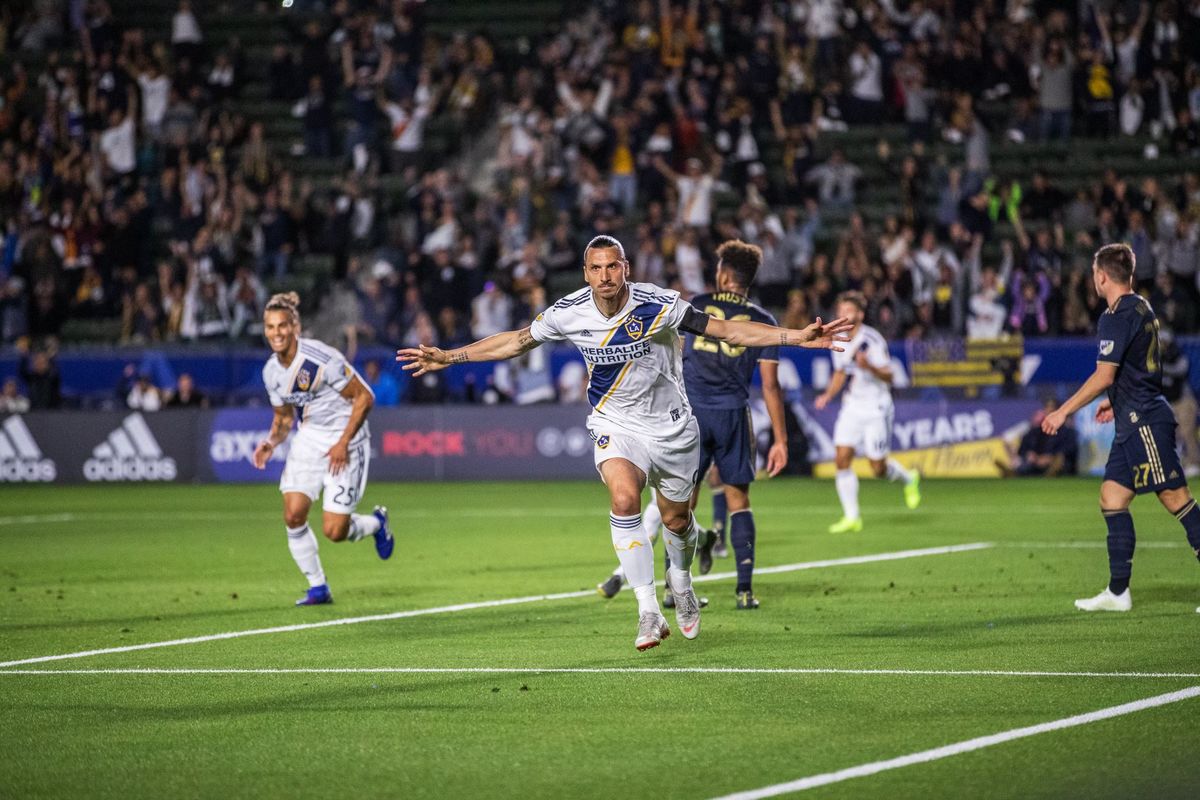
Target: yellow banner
[964,460]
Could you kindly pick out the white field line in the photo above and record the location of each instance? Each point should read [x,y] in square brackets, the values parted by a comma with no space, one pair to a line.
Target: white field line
[1101,544]
[511,601]
[783,671]
[974,510]
[967,746]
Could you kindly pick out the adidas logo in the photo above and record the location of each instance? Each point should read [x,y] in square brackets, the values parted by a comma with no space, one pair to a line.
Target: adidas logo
[130,453]
[586,334]
[20,458]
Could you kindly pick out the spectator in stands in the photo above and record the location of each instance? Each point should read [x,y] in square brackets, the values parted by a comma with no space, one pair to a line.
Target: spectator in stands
[143,395]
[185,394]
[187,40]
[383,384]
[835,180]
[1055,91]
[693,189]
[39,372]
[1040,455]
[11,399]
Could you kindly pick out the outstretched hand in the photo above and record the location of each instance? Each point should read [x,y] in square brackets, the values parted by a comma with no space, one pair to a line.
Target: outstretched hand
[827,336]
[423,359]
[1104,412]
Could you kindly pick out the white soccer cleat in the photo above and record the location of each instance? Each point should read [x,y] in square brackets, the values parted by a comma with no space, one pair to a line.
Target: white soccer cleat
[652,629]
[687,610]
[1107,601]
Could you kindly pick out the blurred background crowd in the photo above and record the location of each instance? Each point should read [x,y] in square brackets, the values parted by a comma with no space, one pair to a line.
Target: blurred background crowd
[429,172]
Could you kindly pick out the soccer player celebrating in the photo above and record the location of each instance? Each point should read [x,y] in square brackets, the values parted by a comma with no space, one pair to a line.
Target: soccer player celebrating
[717,378]
[1143,457]
[864,423]
[332,450]
[641,421]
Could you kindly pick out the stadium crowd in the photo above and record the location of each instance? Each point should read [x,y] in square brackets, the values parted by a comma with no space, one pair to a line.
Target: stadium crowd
[132,187]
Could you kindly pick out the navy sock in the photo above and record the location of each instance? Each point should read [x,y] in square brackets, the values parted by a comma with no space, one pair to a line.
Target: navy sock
[1120,549]
[720,511]
[1189,517]
[742,535]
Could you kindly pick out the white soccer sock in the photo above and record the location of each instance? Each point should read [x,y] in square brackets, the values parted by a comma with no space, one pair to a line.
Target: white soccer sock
[847,489]
[895,472]
[303,545]
[681,547]
[652,517]
[636,555]
[361,526]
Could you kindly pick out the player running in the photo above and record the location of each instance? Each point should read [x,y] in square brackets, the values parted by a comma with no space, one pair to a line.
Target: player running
[641,421]
[332,449]
[864,424]
[717,377]
[1143,457]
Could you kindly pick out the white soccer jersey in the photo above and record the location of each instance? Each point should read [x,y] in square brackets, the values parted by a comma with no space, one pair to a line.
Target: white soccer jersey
[313,382]
[864,390]
[635,364]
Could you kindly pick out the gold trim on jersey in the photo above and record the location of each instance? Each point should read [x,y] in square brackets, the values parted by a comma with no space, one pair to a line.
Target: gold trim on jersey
[616,383]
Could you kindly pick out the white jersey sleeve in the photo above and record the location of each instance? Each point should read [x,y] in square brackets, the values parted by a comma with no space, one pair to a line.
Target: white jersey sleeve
[546,326]
[270,376]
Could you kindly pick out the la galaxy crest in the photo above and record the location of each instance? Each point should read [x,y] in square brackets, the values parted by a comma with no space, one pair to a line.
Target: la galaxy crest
[634,327]
[304,379]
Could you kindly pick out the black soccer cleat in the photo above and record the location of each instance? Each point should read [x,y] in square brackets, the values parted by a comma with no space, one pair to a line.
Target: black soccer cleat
[746,601]
[609,588]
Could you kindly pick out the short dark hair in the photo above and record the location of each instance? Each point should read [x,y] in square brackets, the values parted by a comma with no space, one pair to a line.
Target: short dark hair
[1116,261]
[603,242]
[741,259]
[856,299]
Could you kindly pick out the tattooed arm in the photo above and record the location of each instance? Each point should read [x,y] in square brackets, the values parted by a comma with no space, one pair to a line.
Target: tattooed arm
[499,347]
[281,427]
[756,334]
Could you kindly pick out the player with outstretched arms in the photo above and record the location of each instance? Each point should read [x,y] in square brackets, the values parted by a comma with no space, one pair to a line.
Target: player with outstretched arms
[1143,457]
[717,377]
[332,450]
[641,423]
[864,423]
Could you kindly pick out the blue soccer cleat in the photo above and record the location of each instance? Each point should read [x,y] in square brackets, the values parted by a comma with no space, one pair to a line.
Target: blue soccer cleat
[316,596]
[384,543]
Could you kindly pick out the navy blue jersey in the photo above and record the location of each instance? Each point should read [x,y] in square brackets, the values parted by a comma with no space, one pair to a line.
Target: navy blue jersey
[717,374]
[1129,341]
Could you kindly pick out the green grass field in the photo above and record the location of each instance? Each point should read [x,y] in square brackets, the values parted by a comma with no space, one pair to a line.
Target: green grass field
[104,567]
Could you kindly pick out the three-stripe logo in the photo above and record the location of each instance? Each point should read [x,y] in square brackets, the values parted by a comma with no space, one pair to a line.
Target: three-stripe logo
[130,453]
[21,459]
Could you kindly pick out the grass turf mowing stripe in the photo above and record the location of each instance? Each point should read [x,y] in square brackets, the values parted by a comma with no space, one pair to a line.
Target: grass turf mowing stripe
[418,612]
[974,673]
[958,748]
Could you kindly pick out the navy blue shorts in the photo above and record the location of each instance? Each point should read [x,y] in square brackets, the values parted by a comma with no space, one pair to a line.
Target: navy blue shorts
[726,439]
[1146,461]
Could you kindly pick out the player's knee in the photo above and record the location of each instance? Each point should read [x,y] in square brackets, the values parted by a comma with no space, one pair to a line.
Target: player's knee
[626,503]
[878,468]
[294,519]
[676,520]
[337,531]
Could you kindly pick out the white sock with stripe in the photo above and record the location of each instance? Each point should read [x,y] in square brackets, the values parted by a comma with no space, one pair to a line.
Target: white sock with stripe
[636,554]
[847,489]
[303,545]
[682,549]
[361,526]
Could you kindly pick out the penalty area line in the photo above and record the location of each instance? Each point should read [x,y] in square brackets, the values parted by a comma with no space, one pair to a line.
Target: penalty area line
[510,601]
[966,746]
[784,671]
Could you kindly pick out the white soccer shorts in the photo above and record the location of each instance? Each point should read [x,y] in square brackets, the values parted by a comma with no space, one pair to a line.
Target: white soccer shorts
[307,470]
[867,430]
[670,465]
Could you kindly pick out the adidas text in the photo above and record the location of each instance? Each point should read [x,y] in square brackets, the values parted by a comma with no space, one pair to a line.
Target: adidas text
[21,460]
[130,453]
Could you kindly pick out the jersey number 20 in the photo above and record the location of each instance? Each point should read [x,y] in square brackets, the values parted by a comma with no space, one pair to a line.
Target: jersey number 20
[709,346]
